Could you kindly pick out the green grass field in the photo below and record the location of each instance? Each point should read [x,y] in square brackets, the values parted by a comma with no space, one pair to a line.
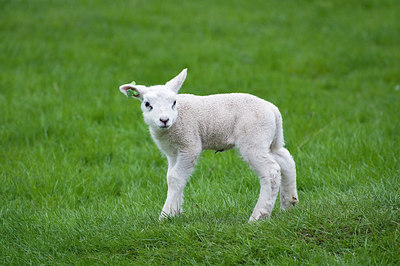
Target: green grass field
[83,183]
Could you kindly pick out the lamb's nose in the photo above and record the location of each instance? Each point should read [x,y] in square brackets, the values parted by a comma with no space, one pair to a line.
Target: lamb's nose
[164,120]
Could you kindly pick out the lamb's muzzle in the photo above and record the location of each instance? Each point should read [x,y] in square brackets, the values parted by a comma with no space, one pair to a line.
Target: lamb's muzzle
[164,122]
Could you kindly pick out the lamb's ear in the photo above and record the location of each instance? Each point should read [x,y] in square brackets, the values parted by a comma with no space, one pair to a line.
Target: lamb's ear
[137,93]
[176,83]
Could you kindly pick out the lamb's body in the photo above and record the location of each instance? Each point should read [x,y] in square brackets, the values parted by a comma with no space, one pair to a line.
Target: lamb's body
[220,122]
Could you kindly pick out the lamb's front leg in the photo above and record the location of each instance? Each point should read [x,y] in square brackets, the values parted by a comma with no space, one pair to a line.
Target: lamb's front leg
[178,174]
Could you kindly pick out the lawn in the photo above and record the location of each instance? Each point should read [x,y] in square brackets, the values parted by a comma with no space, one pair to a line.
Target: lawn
[83,183]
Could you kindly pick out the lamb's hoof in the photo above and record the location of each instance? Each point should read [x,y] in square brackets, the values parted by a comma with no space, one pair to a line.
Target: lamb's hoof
[169,216]
[288,203]
[259,217]
[293,201]
[164,217]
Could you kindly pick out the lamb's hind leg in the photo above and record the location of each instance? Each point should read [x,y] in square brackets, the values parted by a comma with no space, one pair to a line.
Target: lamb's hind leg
[268,171]
[288,194]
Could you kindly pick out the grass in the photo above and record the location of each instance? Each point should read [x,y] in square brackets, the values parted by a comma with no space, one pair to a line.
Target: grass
[83,183]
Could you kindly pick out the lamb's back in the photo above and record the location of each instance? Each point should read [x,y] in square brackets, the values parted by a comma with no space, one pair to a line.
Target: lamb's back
[219,119]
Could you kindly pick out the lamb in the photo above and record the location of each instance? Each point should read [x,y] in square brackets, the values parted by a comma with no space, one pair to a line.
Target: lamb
[182,125]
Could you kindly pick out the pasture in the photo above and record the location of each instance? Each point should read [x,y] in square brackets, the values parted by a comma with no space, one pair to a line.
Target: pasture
[81,181]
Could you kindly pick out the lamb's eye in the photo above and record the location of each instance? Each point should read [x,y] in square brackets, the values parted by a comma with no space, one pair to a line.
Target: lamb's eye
[147,104]
[173,105]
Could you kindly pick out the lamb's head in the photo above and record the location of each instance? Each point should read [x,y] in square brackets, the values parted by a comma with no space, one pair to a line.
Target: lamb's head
[159,104]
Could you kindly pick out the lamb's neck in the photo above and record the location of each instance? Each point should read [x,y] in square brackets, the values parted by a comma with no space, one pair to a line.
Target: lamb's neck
[159,133]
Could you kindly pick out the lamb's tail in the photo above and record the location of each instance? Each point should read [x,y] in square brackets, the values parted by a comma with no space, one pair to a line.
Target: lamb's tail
[278,141]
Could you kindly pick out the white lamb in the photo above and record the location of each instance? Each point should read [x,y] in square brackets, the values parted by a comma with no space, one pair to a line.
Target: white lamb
[183,125]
